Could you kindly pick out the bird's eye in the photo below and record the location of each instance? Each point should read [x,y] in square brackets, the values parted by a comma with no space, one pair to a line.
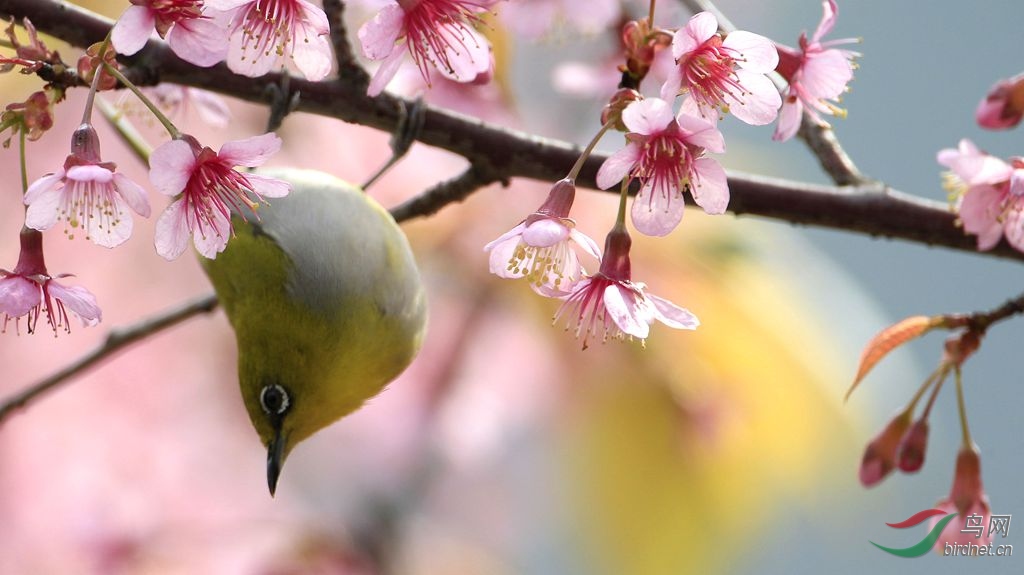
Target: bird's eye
[274,399]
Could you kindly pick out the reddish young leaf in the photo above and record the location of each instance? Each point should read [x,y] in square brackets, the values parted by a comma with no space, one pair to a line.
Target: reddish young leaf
[889,339]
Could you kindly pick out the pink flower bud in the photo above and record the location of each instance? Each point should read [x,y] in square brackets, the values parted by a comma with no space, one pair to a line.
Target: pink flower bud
[912,448]
[880,455]
[1003,107]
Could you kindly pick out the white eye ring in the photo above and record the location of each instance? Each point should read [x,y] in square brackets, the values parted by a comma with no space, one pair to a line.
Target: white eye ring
[274,399]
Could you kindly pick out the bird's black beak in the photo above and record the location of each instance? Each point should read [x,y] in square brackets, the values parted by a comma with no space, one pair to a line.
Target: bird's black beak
[275,459]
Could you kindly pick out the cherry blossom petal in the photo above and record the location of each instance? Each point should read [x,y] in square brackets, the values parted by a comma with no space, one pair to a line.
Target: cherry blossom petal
[43,205]
[242,60]
[210,242]
[1013,227]
[1017,182]
[585,242]
[172,232]
[199,41]
[250,152]
[18,295]
[110,231]
[654,214]
[697,31]
[465,50]
[648,116]
[979,214]
[513,233]
[133,194]
[828,20]
[171,166]
[312,57]
[502,251]
[379,35]
[617,166]
[757,53]
[826,74]
[385,72]
[269,187]
[702,133]
[673,82]
[44,184]
[621,305]
[132,30]
[79,300]
[710,186]
[790,117]
[545,233]
[91,173]
[760,106]
[672,315]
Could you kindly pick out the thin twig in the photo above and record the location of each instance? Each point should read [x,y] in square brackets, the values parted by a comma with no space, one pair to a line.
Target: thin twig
[410,122]
[870,209]
[444,193]
[349,69]
[117,339]
[820,139]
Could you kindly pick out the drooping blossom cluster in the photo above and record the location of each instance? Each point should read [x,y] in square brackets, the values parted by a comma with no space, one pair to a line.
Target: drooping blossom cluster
[903,442]
[30,292]
[667,142]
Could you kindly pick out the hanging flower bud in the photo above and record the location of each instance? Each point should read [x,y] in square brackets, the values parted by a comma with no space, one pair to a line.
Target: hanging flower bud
[1003,107]
[880,455]
[912,447]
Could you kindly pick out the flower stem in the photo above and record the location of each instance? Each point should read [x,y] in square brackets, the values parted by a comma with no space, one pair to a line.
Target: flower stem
[125,129]
[962,408]
[21,161]
[168,125]
[575,171]
[650,15]
[935,394]
[94,86]
[620,218]
[938,375]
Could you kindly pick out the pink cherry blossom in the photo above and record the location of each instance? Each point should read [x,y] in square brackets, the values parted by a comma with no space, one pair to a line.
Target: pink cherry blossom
[610,305]
[29,291]
[665,153]
[435,32]
[87,194]
[192,35]
[728,75]
[176,100]
[966,498]
[817,74]
[264,34]
[210,190]
[1003,106]
[539,247]
[990,194]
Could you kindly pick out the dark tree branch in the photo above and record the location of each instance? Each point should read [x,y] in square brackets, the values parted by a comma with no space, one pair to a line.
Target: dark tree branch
[117,339]
[869,209]
[444,193]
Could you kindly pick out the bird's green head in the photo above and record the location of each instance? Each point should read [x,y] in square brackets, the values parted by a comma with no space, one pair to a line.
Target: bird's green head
[326,304]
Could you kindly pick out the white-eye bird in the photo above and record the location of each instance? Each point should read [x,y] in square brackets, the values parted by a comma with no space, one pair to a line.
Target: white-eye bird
[326,303]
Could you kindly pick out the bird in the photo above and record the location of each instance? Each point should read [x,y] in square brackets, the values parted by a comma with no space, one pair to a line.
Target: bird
[326,302]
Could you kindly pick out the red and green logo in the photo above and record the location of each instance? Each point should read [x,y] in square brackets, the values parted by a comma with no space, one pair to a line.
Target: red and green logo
[929,540]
